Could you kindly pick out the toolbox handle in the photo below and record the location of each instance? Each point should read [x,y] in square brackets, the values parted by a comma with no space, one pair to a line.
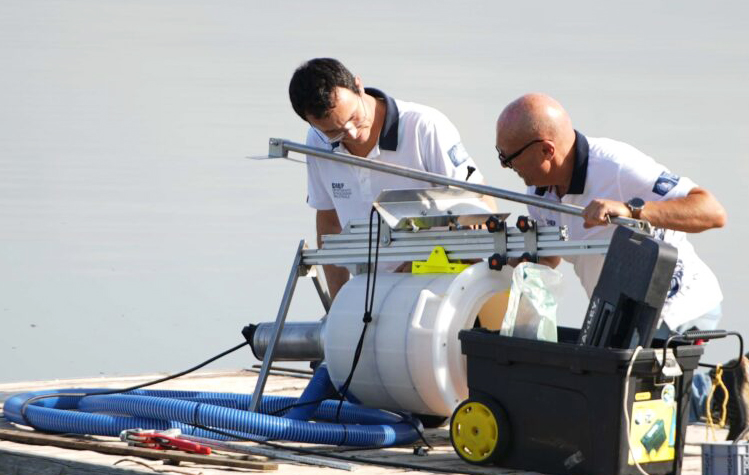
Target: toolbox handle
[705,334]
[694,335]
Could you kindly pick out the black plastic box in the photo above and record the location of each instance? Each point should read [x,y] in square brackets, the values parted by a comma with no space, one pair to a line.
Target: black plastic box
[564,403]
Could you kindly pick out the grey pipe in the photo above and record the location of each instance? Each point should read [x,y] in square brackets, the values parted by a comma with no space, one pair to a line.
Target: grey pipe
[298,341]
[279,148]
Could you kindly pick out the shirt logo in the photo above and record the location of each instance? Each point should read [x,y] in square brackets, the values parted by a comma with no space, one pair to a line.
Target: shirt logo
[340,191]
[665,183]
[458,154]
[676,279]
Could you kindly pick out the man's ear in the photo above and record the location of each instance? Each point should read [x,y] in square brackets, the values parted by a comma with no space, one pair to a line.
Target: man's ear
[548,148]
[358,83]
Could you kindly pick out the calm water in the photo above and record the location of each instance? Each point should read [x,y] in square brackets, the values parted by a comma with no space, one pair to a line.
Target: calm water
[135,236]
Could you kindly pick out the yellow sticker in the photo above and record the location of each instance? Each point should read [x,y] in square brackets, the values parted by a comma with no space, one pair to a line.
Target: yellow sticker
[653,430]
[644,396]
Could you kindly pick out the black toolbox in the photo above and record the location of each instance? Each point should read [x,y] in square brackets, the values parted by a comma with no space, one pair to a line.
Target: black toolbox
[558,407]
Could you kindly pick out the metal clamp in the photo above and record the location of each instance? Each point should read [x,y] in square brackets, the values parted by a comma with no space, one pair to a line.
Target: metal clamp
[276,148]
[498,229]
[529,228]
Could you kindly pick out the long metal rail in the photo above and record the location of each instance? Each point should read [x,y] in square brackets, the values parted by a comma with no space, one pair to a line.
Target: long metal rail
[280,148]
[458,244]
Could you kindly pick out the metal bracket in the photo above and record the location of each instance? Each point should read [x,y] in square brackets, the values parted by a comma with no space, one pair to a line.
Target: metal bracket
[530,237]
[276,148]
[283,310]
[498,229]
[385,233]
[500,239]
[671,368]
[357,269]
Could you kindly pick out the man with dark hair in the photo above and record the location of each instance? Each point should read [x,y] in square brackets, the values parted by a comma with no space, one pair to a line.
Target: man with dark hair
[346,117]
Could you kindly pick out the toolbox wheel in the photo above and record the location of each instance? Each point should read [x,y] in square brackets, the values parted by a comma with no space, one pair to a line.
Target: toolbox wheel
[479,430]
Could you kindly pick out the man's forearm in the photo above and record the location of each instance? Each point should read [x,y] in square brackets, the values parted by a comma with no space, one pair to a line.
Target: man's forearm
[696,212]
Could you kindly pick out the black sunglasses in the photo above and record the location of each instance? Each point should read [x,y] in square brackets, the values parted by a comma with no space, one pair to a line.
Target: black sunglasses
[506,160]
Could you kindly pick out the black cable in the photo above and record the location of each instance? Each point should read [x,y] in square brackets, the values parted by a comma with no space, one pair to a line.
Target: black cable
[297,404]
[368,306]
[367,318]
[131,388]
[691,335]
[355,459]
[418,431]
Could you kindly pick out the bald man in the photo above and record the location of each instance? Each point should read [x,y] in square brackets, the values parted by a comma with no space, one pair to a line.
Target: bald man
[536,140]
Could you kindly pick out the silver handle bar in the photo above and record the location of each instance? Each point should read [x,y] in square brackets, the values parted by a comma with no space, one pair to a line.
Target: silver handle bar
[280,148]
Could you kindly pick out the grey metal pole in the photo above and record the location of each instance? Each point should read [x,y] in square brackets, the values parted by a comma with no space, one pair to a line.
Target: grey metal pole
[276,454]
[279,148]
[321,291]
[283,310]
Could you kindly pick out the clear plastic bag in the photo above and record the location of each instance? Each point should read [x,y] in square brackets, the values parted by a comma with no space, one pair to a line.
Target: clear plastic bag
[532,308]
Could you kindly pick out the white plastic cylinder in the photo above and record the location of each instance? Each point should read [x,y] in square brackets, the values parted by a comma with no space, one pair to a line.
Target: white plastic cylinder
[411,358]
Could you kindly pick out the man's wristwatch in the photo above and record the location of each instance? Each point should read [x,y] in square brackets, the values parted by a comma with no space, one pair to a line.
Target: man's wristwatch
[635,206]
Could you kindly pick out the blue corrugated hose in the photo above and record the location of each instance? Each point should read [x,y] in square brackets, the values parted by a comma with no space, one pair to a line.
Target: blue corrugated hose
[158,409]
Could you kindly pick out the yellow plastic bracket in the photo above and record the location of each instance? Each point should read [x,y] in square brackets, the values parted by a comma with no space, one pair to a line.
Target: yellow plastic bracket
[438,264]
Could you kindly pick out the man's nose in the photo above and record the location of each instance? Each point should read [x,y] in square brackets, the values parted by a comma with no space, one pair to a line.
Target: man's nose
[351,130]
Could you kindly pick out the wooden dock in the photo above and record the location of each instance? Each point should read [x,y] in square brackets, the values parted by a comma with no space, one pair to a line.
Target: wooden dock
[22,458]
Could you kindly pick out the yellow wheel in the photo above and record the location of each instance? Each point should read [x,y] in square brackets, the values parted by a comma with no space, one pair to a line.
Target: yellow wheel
[479,431]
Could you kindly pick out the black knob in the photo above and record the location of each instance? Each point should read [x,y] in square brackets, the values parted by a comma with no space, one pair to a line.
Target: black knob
[497,261]
[524,223]
[493,224]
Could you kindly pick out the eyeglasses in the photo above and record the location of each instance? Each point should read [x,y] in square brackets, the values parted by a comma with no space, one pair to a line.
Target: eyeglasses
[351,126]
[506,160]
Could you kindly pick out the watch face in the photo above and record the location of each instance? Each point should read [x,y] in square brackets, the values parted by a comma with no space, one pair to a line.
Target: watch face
[636,203]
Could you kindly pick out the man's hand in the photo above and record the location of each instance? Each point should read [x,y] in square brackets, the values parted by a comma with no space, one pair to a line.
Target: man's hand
[600,212]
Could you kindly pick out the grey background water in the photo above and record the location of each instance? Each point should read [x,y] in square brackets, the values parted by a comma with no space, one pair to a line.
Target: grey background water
[135,236]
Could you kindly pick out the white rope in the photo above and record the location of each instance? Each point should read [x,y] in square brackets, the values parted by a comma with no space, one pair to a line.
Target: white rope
[626,409]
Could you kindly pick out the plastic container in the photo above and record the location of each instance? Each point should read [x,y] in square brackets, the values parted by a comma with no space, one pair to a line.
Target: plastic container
[558,407]
[725,458]
[411,359]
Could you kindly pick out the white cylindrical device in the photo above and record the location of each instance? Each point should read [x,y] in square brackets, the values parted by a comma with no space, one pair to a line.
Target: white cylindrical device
[411,358]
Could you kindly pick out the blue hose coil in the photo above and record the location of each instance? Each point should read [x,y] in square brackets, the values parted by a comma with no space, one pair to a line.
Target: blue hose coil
[108,415]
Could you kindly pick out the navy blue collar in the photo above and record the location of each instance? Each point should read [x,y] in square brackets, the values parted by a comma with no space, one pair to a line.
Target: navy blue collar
[389,132]
[580,169]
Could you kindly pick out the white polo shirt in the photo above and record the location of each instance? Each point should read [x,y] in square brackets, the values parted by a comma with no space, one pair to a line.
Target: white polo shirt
[608,169]
[413,136]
